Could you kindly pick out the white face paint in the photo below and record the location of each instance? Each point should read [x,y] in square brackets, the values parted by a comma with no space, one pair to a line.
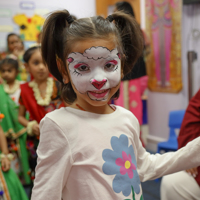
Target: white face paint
[95,72]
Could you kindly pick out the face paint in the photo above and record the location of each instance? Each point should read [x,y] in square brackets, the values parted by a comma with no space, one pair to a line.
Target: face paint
[95,72]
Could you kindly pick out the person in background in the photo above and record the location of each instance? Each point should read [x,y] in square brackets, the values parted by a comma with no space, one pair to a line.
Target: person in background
[10,186]
[135,83]
[38,97]
[16,50]
[185,185]
[9,105]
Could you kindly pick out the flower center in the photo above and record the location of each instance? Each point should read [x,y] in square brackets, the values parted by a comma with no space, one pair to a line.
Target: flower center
[127,164]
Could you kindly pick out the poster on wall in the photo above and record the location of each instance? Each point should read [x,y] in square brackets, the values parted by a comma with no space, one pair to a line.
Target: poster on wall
[24,18]
[163,28]
[30,27]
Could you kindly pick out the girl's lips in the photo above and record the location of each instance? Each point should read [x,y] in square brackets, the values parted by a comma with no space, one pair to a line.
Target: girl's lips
[99,94]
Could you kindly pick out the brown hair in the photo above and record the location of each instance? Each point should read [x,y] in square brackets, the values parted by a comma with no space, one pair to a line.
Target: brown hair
[58,37]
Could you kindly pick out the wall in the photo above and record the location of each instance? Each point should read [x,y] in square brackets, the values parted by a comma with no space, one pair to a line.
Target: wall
[160,104]
[102,7]
[78,8]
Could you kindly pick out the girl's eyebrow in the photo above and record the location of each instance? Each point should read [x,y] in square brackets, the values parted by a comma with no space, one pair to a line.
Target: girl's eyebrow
[78,65]
[112,61]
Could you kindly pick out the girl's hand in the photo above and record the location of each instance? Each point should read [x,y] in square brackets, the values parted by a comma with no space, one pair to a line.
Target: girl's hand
[5,164]
[193,171]
[35,129]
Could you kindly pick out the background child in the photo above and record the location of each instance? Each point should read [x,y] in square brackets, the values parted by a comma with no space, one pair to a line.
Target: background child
[37,97]
[92,150]
[14,131]
[10,186]
[16,50]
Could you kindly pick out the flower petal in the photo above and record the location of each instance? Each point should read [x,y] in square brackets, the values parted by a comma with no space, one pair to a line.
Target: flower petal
[130,173]
[108,155]
[133,166]
[110,168]
[116,145]
[119,162]
[120,184]
[124,156]
[135,182]
[123,170]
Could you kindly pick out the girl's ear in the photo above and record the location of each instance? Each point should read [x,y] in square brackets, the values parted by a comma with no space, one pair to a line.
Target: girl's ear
[27,68]
[65,78]
[62,70]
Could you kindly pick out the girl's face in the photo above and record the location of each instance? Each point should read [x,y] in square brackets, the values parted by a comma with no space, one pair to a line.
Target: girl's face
[8,73]
[36,66]
[14,43]
[94,67]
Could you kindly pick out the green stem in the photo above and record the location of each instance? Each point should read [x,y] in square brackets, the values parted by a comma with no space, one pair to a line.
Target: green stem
[133,192]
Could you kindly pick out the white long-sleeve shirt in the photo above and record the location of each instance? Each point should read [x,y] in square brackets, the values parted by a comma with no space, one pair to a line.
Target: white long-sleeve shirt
[83,155]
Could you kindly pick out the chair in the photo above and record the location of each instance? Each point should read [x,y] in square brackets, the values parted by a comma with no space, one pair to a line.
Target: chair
[175,120]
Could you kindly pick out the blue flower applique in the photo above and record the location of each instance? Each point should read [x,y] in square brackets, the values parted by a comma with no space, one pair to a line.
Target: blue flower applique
[121,161]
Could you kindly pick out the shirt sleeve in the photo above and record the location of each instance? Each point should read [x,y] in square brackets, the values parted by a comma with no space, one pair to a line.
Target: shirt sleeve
[53,164]
[152,166]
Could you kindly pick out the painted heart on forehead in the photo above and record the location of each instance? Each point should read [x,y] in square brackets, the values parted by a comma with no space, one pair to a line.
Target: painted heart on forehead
[95,71]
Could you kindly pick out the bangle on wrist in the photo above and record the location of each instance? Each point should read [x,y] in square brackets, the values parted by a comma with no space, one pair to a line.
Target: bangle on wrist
[30,127]
[9,156]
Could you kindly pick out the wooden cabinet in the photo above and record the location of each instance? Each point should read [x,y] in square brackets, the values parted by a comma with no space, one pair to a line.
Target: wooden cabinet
[103,5]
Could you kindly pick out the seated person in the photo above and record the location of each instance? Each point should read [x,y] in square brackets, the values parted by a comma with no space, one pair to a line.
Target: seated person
[184,185]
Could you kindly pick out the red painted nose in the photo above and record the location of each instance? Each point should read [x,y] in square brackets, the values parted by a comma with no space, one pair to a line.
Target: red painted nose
[98,84]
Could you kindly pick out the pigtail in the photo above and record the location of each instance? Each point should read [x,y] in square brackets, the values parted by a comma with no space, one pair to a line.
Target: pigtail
[131,39]
[53,41]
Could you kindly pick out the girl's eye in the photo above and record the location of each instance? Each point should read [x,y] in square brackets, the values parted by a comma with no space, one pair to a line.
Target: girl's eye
[109,66]
[36,63]
[83,68]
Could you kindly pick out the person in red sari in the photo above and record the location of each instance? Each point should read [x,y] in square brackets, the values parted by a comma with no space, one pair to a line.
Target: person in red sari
[38,97]
[185,185]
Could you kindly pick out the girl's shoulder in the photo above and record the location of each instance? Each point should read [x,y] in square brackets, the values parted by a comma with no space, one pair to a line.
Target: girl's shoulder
[61,117]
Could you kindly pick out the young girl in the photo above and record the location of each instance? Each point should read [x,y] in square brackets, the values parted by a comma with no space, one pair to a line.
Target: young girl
[10,186]
[37,97]
[92,150]
[14,131]
[16,50]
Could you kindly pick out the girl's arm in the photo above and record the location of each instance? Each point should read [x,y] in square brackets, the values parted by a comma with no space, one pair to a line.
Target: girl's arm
[3,143]
[21,117]
[154,166]
[32,127]
[54,162]
[5,163]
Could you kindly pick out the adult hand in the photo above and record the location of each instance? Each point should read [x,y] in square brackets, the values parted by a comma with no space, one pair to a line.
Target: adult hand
[193,171]
[5,164]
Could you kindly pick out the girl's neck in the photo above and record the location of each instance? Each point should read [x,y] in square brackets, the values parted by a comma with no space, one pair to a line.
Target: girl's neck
[11,83]
[104,109]
[40,82]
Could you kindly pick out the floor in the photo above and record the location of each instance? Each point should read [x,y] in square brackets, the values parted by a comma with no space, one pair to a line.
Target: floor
[151,190]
